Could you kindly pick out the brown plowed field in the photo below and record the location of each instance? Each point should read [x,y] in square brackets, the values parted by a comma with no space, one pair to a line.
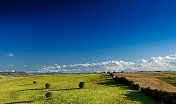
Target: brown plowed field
[149,79]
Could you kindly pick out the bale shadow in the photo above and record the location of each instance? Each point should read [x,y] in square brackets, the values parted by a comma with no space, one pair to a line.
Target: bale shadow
[65,89]
[137,96]
[108,82]
[112,83]
[32,89]
[105,74]
[19,102]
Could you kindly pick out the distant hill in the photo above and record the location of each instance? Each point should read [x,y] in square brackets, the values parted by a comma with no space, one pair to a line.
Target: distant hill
[57,73]
[15,74]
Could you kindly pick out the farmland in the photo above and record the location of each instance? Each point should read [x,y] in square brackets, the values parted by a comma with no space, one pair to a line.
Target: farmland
[98,89]
[171,81]
[154,80]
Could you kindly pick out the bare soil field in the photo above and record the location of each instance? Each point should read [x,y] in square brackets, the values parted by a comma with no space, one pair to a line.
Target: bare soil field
[149,79]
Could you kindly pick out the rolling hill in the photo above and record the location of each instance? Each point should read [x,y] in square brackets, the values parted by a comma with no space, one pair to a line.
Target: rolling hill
[99,89]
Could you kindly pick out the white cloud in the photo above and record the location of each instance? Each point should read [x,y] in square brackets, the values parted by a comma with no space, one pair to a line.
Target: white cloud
[11,54]
[13,71]
[11,65]
[36,66]
[45,70]
[58,67]
[64,66]
[153,64]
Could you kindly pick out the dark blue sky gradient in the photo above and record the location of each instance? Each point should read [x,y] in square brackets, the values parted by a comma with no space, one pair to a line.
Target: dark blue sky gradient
[80,31]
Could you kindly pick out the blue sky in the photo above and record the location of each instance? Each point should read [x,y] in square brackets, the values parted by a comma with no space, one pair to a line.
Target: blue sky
[45,32]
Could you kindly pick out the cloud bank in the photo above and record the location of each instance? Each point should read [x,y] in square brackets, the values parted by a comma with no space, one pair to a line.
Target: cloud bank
[153,64]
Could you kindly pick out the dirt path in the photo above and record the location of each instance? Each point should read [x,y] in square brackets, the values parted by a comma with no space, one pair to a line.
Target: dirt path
[148,79]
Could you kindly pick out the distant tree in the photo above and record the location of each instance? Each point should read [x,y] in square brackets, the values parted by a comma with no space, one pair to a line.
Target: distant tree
[108,72]
[34,82]
[47,85]
[81,84]
[122,71]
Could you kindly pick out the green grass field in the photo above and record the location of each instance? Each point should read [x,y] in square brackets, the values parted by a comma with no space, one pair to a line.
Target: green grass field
[170,81]
[99,89]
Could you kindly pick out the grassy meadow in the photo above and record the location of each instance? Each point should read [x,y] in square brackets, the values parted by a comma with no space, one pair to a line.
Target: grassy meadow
[98,89]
